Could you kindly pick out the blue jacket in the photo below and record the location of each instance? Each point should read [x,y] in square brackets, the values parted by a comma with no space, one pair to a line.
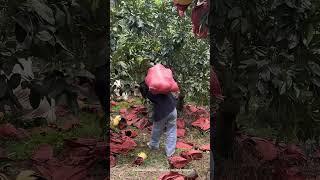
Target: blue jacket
[163,104]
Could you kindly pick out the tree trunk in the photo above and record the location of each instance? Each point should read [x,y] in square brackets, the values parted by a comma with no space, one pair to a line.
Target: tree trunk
[180,103]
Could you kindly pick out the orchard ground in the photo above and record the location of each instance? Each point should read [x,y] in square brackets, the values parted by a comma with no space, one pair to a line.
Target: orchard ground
[156,162]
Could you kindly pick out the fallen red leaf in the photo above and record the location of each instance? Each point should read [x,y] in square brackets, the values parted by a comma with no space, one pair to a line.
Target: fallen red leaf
[178,162]
[202,123]
[205,147]
[191,155]
[184,145]
[171,176]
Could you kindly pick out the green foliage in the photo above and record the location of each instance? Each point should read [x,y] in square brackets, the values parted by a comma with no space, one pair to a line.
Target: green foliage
[269,50]
[153,32]
[57,38]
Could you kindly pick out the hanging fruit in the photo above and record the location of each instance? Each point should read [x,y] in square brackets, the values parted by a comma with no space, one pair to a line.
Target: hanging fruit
[200,28]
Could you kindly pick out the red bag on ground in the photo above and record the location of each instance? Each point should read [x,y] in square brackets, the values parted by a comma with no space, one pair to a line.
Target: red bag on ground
[181,123]
[202,123]
[184,145]
[205,147]
[178,162]
[160,80]
[181,133]
[171,176]
[191,155]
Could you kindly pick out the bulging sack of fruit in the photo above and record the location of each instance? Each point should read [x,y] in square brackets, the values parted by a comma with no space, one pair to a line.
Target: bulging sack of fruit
[160,80]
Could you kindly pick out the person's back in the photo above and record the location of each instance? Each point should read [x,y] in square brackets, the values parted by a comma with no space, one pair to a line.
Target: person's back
[164,116]
[163,105]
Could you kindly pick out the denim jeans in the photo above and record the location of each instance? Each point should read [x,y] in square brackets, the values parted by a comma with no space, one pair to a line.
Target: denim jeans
[170,122]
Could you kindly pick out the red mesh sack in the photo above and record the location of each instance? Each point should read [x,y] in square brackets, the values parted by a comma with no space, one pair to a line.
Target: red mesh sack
[184,145]
[205,147]
[182,6]
[202,123]
[191,155]
[181,133]
[181,123]
[178,162]
[171,176]
[160,80]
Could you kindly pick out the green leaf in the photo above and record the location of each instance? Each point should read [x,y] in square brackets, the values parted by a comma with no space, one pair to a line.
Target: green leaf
[44,36]
[60,17]
[283,88]
[309,34]
[289,82]
[122,64]
[315,68]
[261,88]
[249,62]
[235,25]
[84,73]
[293,40]
[59,42]
[43,11]
[296,90]
[27,175]
[158,2]
[316,81]
[262,63]
[265,75]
